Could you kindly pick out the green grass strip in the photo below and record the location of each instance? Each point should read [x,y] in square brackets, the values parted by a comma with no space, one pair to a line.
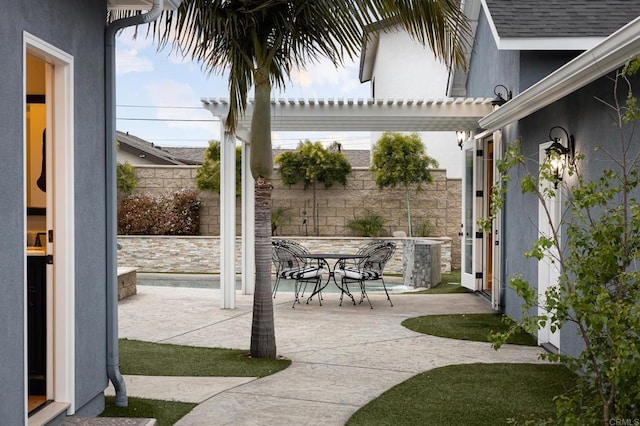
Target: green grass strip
[159,359]
[471,394]
[443,288]
[166,413]
[476,327]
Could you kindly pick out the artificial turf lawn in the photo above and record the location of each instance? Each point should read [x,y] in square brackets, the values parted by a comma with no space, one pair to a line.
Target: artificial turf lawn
[159,359]
[470,394]
[476,327]
[166,413]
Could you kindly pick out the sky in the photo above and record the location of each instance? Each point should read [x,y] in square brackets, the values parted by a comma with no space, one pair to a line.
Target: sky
[158,96]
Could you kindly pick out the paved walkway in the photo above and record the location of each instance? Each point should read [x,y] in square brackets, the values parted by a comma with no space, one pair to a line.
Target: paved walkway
[342,357]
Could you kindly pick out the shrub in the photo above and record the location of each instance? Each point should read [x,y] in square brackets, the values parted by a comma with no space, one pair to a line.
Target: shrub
[371,224]
[425,229]
[177,213]
[126,175]
[279,215]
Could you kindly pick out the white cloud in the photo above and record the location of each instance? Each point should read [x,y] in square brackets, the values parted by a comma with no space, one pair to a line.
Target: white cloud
[129,61]
[323,80]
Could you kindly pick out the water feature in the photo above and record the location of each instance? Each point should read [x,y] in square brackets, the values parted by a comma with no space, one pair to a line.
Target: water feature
[394,284]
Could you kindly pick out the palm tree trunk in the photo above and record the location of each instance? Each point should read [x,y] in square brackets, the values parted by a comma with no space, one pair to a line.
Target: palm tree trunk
[263,340]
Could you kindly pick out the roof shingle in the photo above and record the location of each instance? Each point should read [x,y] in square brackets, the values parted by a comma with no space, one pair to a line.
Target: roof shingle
[561,18]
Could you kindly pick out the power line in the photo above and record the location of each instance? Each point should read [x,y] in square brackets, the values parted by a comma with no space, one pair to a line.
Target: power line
[163,119]
[159,106]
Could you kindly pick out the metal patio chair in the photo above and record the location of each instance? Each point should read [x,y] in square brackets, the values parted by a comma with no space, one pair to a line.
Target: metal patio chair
[368,268]
[290,266]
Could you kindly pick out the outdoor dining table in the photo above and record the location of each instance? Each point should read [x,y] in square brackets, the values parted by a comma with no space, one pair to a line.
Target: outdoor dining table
[338,257]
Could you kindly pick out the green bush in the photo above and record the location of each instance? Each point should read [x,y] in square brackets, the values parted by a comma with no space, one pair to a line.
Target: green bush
[177,213]
[279,215]
[371,224]
[425,229]
[126,175]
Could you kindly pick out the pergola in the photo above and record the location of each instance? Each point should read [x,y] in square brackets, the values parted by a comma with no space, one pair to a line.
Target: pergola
[405,115]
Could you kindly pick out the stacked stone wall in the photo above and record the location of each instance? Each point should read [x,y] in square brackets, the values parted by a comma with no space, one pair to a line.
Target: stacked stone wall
[202,254]
[438,203]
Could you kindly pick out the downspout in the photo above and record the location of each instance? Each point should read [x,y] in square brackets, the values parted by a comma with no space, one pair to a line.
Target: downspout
[113,361]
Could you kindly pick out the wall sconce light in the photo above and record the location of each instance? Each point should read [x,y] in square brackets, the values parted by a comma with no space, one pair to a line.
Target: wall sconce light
[463,135]
[500,100]
[558,155]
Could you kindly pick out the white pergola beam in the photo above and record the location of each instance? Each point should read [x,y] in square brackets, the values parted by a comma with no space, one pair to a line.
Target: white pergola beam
[422,115]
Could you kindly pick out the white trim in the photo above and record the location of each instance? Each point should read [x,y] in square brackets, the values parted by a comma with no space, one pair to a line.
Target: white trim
[547,43]
[64,252]
[614,51]
[492,25]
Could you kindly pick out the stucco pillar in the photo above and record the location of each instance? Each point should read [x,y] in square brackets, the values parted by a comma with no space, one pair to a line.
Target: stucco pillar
[248,222]
[227,219]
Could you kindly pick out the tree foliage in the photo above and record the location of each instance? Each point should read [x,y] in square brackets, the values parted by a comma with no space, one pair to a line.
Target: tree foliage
[208,174]
[312,163]
[598,290]
[401,160]
[126,177]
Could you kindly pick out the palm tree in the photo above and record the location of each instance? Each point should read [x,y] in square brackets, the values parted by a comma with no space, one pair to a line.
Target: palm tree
[259,42]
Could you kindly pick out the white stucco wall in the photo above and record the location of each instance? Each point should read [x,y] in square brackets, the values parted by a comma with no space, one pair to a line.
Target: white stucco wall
[405,69]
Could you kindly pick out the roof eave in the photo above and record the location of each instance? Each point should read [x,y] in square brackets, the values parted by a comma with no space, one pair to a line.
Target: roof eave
[608,55]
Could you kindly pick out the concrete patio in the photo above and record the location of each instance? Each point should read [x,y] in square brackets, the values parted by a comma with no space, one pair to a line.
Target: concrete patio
[342,356]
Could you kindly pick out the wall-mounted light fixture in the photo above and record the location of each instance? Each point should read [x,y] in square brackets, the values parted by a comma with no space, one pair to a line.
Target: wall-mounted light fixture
[558,155]
[500,100]
[463,135]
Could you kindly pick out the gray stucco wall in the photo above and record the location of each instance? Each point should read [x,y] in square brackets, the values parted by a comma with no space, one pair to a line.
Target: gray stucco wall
[12,218]
[591,124]
[76,27]
[489,66]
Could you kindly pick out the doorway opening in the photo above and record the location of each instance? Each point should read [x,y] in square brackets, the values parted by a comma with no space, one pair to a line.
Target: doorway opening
[38,321]
[49,216]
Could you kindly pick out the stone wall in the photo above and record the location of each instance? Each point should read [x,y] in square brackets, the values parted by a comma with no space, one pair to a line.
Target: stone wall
[127,282]
[202,254]
[438,203]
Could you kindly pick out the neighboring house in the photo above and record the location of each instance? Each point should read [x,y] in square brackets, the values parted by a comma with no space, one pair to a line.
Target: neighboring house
[555,57]
[399,67]
[140,152]
[57,336]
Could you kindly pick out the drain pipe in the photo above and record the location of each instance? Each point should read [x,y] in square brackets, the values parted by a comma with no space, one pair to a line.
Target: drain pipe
[113,361]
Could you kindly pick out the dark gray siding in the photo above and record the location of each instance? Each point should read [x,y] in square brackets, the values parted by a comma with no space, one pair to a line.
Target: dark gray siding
[76,27]
[590,121]
[536,65]
[488,66]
